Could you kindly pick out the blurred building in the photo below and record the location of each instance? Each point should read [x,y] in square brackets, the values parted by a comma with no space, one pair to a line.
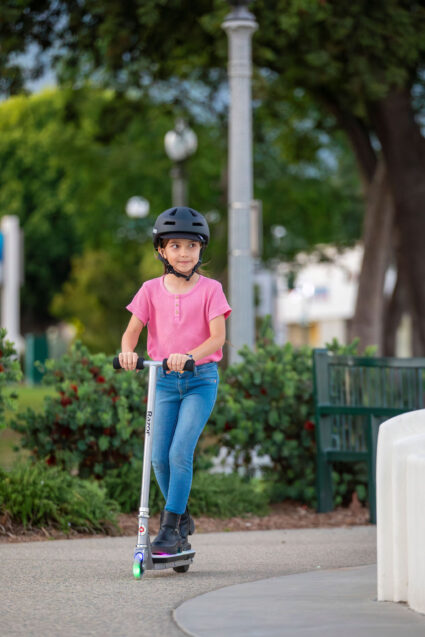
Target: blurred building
[312,301]
[321,302]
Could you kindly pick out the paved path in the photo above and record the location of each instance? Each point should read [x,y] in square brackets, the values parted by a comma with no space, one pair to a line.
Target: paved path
[73,588]
[315,604]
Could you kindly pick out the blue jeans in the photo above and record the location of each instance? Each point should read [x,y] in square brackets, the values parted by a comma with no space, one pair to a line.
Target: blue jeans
[183,405]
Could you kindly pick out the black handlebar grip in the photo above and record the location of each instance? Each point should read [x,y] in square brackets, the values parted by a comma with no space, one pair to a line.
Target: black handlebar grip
[116,363]
[189,365]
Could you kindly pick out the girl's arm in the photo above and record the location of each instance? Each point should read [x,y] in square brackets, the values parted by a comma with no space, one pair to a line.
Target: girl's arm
[128,357]
[212,344]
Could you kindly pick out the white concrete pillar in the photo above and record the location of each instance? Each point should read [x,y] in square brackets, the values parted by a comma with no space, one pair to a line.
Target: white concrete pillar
[240,25]
[389,506]
[402,450]
[10,299]
[415,504]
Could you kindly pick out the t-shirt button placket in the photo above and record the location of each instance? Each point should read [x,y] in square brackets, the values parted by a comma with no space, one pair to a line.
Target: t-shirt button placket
[177,308]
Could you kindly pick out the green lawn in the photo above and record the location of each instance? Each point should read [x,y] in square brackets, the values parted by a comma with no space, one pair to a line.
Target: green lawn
[28,396]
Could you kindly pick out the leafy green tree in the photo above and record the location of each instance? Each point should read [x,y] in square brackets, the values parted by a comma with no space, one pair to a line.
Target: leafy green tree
[73,158]
[101,285]
[30,187]
[361,62]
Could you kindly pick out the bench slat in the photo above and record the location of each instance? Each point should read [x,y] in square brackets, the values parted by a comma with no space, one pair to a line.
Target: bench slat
[353,395]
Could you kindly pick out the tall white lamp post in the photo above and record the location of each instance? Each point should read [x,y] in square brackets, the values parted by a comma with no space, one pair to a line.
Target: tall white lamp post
[240,25]
[180,144]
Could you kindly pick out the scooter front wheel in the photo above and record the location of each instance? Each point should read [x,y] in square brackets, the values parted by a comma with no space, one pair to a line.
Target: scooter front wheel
[138,569]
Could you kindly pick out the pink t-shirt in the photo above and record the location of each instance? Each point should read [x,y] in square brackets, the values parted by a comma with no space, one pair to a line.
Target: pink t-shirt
[178,323]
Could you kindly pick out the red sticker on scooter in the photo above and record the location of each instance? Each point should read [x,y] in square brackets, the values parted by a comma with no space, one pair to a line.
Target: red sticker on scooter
[142,530]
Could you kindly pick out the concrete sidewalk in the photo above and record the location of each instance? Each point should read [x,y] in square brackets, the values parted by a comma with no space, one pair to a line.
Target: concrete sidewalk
[74,588]
[315,604]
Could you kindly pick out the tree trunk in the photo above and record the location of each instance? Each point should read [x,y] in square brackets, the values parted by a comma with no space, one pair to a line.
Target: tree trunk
[367,323]
[399,304]
[395,307]
[404,150]
[368,319]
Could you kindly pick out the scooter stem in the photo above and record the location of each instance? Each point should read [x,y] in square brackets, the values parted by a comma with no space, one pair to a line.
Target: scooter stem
[143,524]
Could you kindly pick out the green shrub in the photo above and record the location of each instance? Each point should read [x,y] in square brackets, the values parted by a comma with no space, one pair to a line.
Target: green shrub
[265,404]
[224,496]
[36,495]
[10,372]
[216,495]
[95,420]
[123,486]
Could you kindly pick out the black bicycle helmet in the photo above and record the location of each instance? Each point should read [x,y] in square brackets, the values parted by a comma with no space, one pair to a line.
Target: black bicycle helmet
[181,223]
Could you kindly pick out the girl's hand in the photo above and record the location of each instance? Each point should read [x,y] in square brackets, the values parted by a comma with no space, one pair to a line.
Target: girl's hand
[176,362]
[128,360]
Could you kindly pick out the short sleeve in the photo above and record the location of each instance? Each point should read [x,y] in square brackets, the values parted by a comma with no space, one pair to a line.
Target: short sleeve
[217,303]
[139,306]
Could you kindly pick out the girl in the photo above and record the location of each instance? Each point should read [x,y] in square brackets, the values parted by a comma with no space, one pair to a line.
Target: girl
[185,314]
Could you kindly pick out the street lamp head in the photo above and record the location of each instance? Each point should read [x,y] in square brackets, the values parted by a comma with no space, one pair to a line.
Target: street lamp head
[137,207]
[239,11]
[181,142]
[239,3]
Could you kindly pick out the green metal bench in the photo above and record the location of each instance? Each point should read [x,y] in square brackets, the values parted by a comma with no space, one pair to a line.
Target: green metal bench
[353,395]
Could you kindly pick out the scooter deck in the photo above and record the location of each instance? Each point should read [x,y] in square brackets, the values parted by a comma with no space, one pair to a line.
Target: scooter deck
[169,559]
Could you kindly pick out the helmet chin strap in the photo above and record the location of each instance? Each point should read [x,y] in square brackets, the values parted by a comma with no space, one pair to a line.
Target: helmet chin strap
[170,270]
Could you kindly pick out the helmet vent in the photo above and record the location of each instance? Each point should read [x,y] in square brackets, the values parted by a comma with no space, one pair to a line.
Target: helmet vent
[169,223]
[196,223]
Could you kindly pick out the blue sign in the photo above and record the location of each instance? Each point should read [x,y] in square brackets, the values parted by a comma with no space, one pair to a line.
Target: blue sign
[1,246]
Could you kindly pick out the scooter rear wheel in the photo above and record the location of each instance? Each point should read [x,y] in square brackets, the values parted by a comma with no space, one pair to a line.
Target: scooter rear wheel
[181,569]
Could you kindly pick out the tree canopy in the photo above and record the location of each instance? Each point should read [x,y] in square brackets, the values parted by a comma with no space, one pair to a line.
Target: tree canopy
[73,158]
[361,63]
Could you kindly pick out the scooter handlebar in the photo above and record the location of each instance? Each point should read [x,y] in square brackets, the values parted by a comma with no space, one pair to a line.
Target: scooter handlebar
[189,365]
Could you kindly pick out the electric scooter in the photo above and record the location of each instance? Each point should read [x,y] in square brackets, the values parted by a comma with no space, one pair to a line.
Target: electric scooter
[144,559]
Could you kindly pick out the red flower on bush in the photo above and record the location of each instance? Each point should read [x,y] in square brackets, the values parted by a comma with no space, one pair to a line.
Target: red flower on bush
[65,401]
[100,379]
[263,391]
[65,432]
[74,388]
[309,426]
[1,368]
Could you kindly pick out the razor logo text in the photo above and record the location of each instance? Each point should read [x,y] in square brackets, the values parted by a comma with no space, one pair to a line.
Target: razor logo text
[148,423]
